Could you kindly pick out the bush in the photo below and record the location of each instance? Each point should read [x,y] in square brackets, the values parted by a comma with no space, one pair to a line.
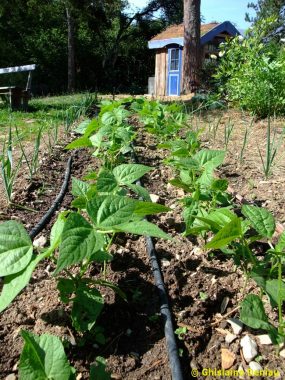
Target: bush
[251,73]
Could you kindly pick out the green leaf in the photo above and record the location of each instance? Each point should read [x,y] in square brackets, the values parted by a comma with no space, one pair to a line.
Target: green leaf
[66,287]
[218,218]
[56,231]
[227,234]
[79,203]
[275,291]
[219,185]
[252,314]
[211,158]
[261,219]
[140,191]
[43,357]
[16,248]
[106,182]
[79,188]
[126,174]
[114,210]
[81,128]
[280,246]
[98,370]
[144,228]
[87,306]
[79,241]
[14,283]
[101,256]
[149,208]
[81,142]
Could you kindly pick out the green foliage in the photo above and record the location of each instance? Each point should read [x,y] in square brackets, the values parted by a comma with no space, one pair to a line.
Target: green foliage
[251,73]
[253,315]
[43,357]
[9,172]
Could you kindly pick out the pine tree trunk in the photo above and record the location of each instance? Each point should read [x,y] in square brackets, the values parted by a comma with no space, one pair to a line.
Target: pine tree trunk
[191,49]
[71,51]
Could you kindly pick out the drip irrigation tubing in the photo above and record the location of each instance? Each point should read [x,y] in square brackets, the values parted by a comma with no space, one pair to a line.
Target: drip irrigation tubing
[175,365]
[58,200]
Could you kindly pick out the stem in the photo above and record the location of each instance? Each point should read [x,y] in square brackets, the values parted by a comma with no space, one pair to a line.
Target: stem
[280,318]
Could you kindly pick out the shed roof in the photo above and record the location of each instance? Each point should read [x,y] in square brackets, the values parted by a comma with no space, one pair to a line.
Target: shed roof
[175,31]
[174,34]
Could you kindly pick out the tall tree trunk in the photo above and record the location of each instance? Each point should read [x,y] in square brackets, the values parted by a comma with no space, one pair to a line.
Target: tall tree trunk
[71,51]
[191,50]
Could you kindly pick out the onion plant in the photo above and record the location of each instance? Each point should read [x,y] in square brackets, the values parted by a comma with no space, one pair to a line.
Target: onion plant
[245,140]
[9,172]
[272,146]
[32,161]
[227,133]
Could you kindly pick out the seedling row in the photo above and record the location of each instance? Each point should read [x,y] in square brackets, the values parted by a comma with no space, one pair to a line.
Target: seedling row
[108,202]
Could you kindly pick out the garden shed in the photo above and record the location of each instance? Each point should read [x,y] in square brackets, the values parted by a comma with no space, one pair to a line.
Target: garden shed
[169,53]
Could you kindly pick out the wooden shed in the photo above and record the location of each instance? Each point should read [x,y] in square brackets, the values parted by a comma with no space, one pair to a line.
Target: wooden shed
[169,53]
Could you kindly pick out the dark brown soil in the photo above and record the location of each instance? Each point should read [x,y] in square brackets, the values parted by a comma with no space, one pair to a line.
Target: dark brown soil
[135,346]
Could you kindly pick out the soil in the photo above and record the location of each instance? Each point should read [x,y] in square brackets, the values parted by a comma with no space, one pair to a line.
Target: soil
[204,290]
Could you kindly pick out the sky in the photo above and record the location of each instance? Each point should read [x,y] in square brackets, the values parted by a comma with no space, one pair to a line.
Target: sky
[219,10]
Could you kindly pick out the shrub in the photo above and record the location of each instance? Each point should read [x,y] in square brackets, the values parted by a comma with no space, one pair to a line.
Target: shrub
[251,73]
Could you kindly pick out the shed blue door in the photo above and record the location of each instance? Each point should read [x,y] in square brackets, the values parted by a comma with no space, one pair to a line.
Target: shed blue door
[174,64]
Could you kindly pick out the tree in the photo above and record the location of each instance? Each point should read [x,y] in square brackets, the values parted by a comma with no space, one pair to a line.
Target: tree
[191,50]
[71,50]
[269,8]
[172,11]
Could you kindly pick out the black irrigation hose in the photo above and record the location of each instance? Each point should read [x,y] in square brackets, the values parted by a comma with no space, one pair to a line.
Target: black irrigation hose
[48,215]
[175,366]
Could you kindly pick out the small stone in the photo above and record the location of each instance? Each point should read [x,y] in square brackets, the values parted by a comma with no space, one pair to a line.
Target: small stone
[165,263]
[236,324]
[249,348]
[120,250]
[264,339]
[178,257]
[255,366]
[12,376]
[79,376]
[15,367]
[173,206]
[154,198]
[40,242]
[282,353]
[241,372]
[224,304]
[228,358]
[230,338]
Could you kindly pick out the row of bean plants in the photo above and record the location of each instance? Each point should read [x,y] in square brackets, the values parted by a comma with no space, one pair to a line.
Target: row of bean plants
[105,203]
[210,212]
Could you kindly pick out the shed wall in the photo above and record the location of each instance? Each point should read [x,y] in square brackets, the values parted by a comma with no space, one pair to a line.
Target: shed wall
[160,72]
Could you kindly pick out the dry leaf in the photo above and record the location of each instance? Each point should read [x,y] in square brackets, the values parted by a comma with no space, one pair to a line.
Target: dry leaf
[228,358]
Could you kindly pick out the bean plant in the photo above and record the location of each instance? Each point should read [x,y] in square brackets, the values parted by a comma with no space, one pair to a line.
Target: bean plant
[208,211]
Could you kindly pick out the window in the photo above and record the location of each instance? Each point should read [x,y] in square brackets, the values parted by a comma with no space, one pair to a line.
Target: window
[174,59]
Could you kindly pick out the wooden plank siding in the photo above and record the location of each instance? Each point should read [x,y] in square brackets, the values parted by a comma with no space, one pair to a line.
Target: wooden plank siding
[161,72]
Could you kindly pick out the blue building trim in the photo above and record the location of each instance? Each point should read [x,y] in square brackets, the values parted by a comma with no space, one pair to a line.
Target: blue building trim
[158,44]
[225,26]
[176,73]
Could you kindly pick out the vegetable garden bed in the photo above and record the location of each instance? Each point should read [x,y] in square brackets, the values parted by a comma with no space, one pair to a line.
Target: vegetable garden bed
[205,287]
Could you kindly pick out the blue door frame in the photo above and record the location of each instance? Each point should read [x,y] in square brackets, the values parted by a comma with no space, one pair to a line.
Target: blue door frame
[174,71]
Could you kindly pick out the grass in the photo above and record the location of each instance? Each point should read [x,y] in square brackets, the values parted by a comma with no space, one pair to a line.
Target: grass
[46,113]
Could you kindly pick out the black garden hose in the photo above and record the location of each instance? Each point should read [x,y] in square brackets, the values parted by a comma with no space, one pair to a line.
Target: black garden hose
[175,366]
[172,349]
[48,215]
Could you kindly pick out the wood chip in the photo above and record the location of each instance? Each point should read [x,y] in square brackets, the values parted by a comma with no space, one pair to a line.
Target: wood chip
[228,358]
